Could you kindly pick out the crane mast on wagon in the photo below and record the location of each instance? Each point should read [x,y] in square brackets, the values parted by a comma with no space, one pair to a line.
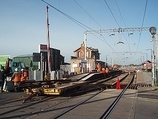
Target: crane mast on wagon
[48,44]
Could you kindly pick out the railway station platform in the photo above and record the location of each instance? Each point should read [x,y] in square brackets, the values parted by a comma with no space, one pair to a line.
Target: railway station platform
[147,98]
[135,104]
[141,103]
[144,77]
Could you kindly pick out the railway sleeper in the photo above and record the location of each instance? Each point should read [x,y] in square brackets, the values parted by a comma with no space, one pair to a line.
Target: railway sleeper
[132,86]
[32,94]
[136,86]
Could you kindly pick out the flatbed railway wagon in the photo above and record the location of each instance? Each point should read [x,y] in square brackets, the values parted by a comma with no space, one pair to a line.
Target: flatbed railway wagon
[57,88]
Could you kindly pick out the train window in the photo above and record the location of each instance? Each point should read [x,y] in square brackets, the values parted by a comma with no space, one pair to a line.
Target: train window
[15,64]
[22,65]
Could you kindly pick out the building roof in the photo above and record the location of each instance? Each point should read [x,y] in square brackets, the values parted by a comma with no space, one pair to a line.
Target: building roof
[26,55]
[90,48]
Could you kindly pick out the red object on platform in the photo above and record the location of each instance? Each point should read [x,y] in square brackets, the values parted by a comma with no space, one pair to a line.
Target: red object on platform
[118,86]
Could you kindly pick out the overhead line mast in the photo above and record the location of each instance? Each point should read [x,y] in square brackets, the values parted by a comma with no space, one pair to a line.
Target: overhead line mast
[119,30]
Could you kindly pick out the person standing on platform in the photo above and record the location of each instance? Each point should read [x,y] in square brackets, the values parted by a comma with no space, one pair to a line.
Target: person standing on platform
[107,70]
[2,77]
[24,75]
[98,67]
[16,78]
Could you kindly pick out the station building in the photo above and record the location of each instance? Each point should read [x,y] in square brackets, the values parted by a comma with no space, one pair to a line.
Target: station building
[82,62]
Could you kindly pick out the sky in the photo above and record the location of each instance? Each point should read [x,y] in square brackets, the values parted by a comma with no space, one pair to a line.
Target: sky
[23,27]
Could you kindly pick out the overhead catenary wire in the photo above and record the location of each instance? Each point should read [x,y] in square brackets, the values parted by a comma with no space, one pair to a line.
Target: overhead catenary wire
[142,23]
[120,13]
[74,20]
[87,13]
[122,20]
[66,15]
[114,18]
[96,23]
[109,45]
[111,13]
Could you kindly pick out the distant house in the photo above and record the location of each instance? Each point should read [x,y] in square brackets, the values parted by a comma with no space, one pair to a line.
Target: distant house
[147,66]
[82,62]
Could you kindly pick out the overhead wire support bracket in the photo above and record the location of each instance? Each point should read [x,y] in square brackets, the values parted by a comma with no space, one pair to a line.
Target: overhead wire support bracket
[117,30]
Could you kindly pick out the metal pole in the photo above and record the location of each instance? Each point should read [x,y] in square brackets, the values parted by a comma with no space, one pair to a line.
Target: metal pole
[154,56]
[152,30]
[48,45]
[153,66]
[153,61]
[85,42]
[156,60]
[106,59]
[41,66]
[146,56]
[150,54]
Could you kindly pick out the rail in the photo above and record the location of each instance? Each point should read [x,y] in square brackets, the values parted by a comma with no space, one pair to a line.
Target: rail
[53,104]
[112,106]
[75,106]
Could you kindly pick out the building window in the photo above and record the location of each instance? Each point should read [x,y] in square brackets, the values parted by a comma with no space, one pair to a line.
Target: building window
[79,54]
[87,55]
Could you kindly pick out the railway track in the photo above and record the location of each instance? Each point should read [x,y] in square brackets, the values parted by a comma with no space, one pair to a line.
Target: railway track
[52,106]
[109,109]
[16,109]
[45,104]
[106,114]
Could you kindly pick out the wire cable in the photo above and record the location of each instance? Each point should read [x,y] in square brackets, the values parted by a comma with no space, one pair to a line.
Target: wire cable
[115,19]
[123,21]
[96,23]
[111,13]
[87,13]
[74,20]
[120,12]
[142,23]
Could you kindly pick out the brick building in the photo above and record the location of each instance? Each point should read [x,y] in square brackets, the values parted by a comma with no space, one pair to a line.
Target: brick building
[82,62]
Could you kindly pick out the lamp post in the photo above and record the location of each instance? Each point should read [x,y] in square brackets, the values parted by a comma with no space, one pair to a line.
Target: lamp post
[146,56]
[152,30]
[106,59]
[142,57]
[150,53]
